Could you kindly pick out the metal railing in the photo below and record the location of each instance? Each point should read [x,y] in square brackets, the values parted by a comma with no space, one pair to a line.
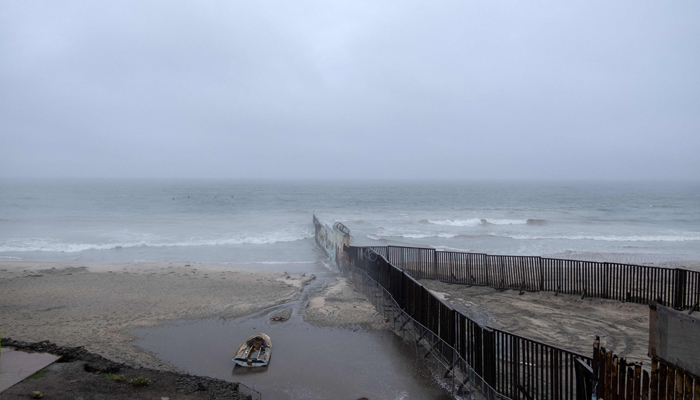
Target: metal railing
[511,365]
[678,288]
[446,362]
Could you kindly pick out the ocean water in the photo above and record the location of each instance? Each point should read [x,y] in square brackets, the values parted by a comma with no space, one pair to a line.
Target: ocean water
[263,224]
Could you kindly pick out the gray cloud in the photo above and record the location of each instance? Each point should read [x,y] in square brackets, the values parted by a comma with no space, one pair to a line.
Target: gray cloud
[456,90]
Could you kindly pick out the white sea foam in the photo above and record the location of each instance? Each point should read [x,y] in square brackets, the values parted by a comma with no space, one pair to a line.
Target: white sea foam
[52,245]
[270,262]
[608,238]
[456,249]
[485,221]
[414,236]
[456,222]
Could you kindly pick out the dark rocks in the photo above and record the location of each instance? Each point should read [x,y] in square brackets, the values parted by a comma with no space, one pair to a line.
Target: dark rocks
[164,382]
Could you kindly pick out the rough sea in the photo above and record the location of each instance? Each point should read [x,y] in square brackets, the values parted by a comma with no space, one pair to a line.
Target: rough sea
[261,224]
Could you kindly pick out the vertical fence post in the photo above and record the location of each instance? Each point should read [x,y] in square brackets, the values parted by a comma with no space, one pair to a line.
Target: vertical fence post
[663,377]
[490,356]
[645,386]
[679,285]
[613,386]
[636,395]
[584,380]
[654,390]
[670,382]
[679,385]
[435,266]
[608,375]
[688,387]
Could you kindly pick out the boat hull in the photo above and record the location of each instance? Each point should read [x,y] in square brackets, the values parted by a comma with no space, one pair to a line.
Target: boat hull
[244,363]
[254,351]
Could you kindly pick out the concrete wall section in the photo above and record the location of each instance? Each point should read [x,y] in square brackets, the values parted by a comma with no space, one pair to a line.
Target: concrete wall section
[675,337]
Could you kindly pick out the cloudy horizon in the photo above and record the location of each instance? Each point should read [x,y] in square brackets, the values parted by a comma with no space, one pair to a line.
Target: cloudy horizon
[350,90]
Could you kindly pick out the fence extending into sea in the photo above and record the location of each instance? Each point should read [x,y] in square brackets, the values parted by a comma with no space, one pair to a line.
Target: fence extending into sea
[514,366]
[494,362]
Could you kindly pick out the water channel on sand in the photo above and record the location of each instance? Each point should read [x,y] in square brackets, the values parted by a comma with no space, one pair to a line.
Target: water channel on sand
[308,362]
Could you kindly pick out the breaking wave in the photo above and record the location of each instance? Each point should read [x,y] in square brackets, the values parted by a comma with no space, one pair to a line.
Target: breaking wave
[456,222]
[51,245]
[414,236]
[484,221]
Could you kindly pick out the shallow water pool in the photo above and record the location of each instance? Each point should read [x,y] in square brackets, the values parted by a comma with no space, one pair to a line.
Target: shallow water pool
[307,362]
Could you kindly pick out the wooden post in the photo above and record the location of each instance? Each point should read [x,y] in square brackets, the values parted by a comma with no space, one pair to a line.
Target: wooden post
[630,383]
[679,385]
[622,381]
[613,386]
[655,380]
[645,386]
[608,374]
[663,377]
[601,374]
[637,378]
[697,388]
[688,387]
[596,355]
[670,383]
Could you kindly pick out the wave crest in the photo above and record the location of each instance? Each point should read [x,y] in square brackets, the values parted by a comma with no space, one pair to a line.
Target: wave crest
[441,235]
[50,245]
[484,221]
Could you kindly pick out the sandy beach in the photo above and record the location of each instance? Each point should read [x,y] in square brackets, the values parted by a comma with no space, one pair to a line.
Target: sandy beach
[565,321]
[94,305]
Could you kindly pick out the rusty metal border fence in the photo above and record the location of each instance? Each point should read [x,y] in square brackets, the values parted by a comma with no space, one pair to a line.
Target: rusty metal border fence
[619,380]
[678,288]
[514,366]
[448,364]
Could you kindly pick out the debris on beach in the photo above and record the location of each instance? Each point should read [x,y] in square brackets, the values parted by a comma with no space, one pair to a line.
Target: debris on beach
[311,278]
[281,316]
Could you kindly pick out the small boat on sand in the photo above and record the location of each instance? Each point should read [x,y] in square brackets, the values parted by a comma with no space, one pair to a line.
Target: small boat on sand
[254,351]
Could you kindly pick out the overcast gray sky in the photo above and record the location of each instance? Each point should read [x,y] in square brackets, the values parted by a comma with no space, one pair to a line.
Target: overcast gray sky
[350,89]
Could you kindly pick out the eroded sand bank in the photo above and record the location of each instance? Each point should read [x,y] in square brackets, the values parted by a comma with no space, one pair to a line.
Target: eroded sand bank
[341,305]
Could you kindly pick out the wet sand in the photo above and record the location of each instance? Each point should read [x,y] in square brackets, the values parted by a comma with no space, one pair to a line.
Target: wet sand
[566,321]
[341,305]
[95,305]
[191,317]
